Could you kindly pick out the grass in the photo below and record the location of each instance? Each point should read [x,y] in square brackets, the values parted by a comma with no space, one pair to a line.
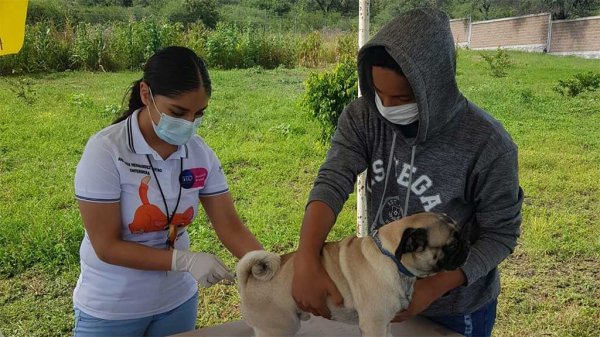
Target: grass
[268,146]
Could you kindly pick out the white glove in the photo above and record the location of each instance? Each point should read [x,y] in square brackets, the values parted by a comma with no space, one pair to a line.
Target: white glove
[206,268]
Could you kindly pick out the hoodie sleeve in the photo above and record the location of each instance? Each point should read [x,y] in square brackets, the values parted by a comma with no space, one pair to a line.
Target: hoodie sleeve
[346,158]
[498,199]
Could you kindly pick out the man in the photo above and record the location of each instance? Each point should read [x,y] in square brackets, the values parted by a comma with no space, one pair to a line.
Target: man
[425,148]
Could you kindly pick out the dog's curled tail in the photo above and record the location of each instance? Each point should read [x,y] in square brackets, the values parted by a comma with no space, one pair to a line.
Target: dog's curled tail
[261,264]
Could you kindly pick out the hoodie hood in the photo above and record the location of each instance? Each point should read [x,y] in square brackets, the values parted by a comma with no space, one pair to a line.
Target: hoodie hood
[421,42]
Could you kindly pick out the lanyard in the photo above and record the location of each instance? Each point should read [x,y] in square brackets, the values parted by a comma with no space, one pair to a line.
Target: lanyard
[172,233]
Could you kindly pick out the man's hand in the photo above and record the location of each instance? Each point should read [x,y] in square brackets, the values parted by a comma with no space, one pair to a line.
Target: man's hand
[428,290]
[311,286]
[422,298]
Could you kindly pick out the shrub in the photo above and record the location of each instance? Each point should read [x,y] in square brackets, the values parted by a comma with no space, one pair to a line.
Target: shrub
[190,11]
[101,14]
[588,81]
[23,89]
[231,47]
[131,43]
[311,50]
[118,46]
[328,93]
[266,50]
[47,10]
[347,47]
[499,62]
[194,37]
[222,47]
[44,49]
[89,48]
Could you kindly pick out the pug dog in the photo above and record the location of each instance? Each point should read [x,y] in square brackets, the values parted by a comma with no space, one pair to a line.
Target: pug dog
[374,274]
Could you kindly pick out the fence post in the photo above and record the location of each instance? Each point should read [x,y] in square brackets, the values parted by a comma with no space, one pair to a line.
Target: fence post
[469,34]
[549,33]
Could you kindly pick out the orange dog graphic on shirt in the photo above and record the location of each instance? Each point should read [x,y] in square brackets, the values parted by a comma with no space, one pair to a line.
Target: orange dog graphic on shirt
[149,218]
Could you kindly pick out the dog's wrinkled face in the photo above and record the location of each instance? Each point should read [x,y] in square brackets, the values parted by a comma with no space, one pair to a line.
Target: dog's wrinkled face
[432,243]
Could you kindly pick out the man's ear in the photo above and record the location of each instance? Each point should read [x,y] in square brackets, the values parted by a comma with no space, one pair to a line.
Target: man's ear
[412,240]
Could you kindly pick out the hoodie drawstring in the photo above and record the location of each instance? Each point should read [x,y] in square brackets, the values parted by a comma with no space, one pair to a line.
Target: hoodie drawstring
[410,174]
[387,175]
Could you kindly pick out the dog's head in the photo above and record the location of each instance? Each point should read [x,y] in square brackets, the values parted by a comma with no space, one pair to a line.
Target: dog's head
[430,243]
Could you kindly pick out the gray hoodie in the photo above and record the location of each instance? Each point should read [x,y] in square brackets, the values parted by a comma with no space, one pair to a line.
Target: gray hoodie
[462,162]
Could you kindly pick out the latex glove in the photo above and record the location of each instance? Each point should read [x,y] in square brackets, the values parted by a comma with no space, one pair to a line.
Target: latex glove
[206,268]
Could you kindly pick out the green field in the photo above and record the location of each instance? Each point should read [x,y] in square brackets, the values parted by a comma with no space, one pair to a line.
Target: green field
[268,146]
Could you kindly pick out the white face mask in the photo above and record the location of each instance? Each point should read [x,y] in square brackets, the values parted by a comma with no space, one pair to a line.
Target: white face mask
[400,114]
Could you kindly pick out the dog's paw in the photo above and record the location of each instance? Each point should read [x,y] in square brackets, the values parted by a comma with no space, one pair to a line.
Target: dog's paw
[304,316]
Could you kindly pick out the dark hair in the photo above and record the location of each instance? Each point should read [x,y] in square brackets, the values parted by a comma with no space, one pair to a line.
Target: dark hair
[169,72]
[379,57]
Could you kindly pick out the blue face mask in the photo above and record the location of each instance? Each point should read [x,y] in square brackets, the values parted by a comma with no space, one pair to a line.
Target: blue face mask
[175,131]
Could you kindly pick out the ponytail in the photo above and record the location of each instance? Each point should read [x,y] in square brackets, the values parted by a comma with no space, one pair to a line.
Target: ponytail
[135,101]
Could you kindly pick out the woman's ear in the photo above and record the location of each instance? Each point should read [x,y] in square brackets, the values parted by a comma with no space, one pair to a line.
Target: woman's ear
[145,93]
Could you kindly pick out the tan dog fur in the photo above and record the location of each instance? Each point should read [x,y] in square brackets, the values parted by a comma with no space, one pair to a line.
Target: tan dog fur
[369,281]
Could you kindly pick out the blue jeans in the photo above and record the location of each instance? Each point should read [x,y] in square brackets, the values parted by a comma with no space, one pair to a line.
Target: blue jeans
[476,324]
[180,319]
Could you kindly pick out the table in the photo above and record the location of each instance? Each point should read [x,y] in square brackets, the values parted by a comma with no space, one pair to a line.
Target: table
[317,326]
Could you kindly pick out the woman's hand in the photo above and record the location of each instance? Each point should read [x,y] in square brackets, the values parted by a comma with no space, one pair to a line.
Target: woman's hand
[206,268]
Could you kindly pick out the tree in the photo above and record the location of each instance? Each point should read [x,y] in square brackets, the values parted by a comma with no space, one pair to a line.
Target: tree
[279,7]
[188,11]
[342,6]
[122,3]
[484,7]
[566,9]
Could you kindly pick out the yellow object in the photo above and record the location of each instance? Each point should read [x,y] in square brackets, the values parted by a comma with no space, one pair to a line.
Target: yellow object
[12,25]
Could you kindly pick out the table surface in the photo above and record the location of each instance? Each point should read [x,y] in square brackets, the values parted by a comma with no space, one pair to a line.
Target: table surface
[317,326]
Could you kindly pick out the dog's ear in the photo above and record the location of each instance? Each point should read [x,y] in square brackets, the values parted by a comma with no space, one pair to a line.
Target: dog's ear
[412,240]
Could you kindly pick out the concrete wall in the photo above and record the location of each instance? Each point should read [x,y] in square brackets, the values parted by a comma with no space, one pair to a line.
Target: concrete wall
[524,33]
[576,37]
[537,33]
[460,30]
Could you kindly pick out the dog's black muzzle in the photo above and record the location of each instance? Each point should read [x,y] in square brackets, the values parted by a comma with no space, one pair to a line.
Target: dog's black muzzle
[455,254]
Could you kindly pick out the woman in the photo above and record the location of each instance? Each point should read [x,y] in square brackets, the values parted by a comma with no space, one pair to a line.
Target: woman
[138,185]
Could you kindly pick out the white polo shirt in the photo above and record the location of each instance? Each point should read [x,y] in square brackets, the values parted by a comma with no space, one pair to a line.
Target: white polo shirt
[114,168]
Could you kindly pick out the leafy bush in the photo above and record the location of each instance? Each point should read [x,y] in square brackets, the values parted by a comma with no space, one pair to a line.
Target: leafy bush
[347,47]
[194,37]
[190,11]
[23,89]
[266,50]
[101,14]
[499,62]
[47,10]
[311,50]
[127,45]
[131,43]
[44,49]
[328,93]
[588,81]
[222,47]
[231,47]
[89,48]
